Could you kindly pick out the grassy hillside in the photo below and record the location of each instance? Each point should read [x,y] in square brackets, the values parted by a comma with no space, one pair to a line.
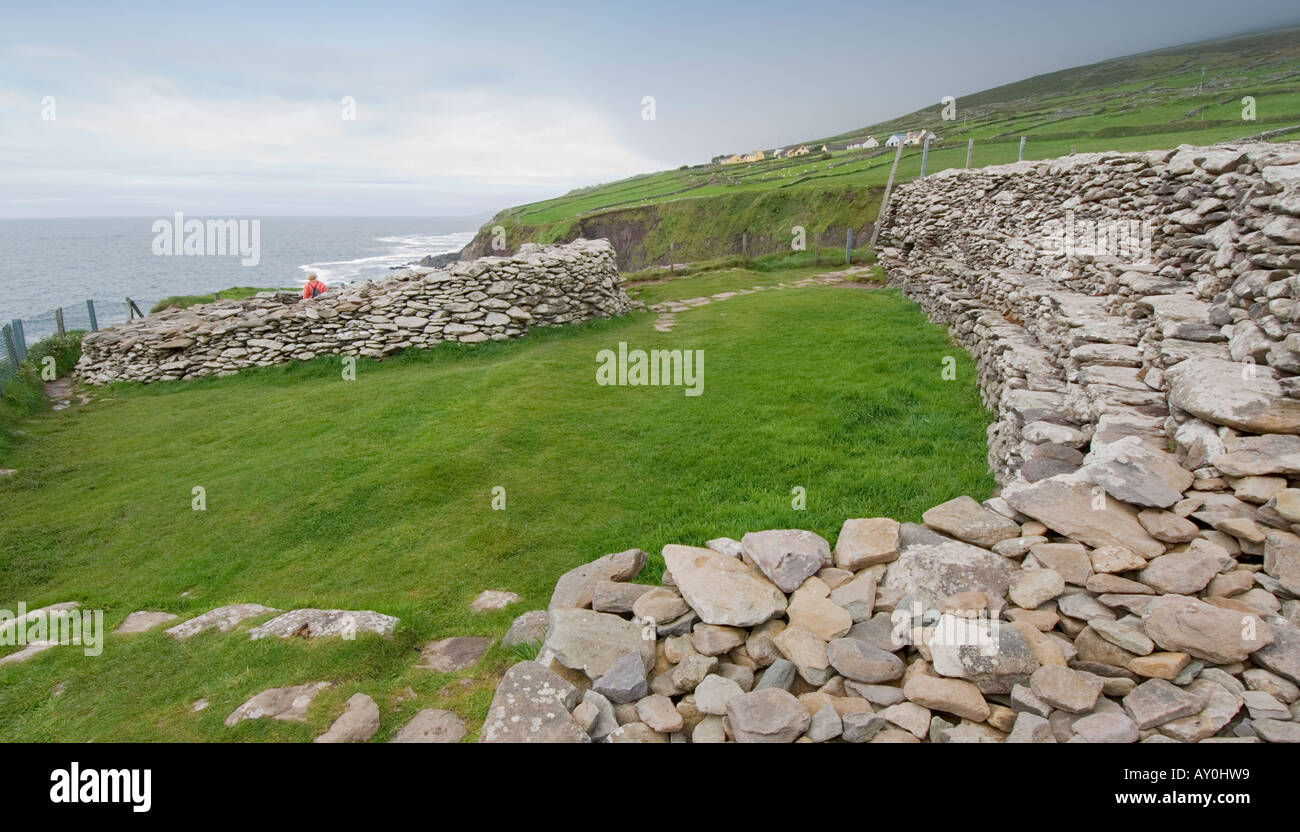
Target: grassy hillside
[376,494]
[1188,94]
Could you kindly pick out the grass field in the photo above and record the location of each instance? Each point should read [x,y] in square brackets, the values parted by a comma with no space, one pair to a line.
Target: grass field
[376,494]
[1187,95]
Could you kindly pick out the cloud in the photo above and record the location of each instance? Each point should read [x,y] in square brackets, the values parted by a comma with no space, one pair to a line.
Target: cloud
[31,51]
[148,129]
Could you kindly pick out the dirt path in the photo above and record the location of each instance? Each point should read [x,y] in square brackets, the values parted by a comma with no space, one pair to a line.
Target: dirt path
[669,309]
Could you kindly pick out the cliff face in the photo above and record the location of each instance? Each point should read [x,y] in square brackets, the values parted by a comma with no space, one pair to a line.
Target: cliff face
[703,228]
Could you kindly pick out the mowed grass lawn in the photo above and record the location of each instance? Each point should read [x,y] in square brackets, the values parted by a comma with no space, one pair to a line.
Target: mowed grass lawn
[377,494]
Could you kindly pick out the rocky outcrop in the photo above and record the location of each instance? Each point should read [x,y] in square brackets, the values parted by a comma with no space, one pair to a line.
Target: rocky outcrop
[492,298]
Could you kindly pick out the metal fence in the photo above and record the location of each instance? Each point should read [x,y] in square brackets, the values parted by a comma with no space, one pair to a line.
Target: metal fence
[20,333]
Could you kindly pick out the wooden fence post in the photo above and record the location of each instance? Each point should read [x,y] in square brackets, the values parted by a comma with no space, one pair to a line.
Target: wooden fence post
[1021,157]
[970,145]
[884,200]
[20,340]
[925,155]
[10,347]
[58,321]
[848,246]
[90,309]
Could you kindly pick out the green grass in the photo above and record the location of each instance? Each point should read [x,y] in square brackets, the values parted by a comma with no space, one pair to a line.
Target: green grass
[22,395]
[376,494]
[186,301]
[1190,94]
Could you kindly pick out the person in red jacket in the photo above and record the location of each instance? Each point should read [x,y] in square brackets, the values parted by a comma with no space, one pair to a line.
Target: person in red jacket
[313,288]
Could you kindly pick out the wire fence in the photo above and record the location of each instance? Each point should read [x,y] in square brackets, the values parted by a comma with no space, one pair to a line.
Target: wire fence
[17,335]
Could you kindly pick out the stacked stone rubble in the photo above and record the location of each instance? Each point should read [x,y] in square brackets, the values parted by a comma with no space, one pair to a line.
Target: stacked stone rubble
[1079,283]
[1135,580]
[492,298]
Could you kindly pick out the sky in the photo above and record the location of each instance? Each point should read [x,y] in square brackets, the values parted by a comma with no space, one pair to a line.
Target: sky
[241,109]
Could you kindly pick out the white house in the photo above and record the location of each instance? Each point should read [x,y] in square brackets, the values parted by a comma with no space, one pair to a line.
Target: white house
[919,137]
[895,140]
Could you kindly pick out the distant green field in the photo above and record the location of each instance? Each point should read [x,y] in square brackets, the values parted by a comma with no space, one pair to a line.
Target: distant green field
[1186,95]
[186,301]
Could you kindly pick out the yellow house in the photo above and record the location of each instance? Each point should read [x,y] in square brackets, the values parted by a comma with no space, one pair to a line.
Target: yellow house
[733,159]
[756,156]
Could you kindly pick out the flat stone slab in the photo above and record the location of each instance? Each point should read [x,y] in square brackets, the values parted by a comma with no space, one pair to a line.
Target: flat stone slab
[358,722]
[1220,392]
[451,654]
[493,599]
[531,704]
[311,623]
[12,624]
[27,652]
[288,704]
[940,566]
[140,622]
[721,589]
[222,619]
[432,725]
[1069,504]
[528,628]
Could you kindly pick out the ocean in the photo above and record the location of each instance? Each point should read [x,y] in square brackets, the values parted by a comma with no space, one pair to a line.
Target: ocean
[50,263]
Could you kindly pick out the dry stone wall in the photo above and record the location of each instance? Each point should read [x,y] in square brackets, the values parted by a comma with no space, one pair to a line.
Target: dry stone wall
[1114,294]
[1133,318]
[491,298]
